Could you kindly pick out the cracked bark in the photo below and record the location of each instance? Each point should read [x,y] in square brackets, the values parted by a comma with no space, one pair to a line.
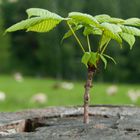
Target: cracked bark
[88,85]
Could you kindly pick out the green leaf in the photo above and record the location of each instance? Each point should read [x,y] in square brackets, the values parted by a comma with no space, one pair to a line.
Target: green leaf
[24,24]
[132,21]
[107,19]
[112,27]
[118,39]
[112,30]
[109,30]
[90,58]
[92,30]
[37,24]
[130,39]
[85,58]
[111,58]
[41,12]
[130,30]
[69,33]
[105,39]
[116,21]
[44,26]
[104,60]
[93,59]
[102,18]
[85,19]
[43,22]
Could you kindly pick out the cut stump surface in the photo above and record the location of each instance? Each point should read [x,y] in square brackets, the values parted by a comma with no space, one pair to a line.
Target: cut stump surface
[66,123]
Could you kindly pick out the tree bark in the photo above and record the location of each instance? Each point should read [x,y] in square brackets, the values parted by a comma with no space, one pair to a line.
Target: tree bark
[88,85]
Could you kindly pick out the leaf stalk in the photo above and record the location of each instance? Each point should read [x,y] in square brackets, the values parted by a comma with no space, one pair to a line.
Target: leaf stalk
[105,47]
[89,46]
[77,39]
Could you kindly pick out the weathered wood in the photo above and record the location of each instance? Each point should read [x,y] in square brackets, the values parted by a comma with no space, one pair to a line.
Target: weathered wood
[62,123]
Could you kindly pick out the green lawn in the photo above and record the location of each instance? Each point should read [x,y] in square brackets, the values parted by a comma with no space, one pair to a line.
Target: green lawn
[18,95]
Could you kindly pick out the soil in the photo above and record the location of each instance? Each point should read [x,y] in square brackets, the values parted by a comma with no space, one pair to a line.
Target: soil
[66,123]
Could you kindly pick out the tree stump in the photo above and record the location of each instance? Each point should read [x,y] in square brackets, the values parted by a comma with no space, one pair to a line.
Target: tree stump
[66,123]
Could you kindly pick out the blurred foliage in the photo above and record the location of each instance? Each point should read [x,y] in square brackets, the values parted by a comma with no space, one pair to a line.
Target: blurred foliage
[43,55]
[4,48]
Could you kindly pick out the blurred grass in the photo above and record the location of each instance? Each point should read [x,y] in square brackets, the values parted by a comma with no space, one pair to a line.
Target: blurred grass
[19,94]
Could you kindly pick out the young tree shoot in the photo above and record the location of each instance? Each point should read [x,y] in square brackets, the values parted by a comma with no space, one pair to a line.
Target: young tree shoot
[105,26]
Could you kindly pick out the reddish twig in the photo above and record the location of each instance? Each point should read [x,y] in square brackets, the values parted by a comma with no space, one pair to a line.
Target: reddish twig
[88,85]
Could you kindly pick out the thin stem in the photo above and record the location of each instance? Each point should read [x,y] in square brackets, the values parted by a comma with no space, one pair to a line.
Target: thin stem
[89,46]
[104,47]
[99,46]
[80,44]
[88,85]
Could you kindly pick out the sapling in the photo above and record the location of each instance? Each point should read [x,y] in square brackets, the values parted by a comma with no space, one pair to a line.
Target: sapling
[105,26]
